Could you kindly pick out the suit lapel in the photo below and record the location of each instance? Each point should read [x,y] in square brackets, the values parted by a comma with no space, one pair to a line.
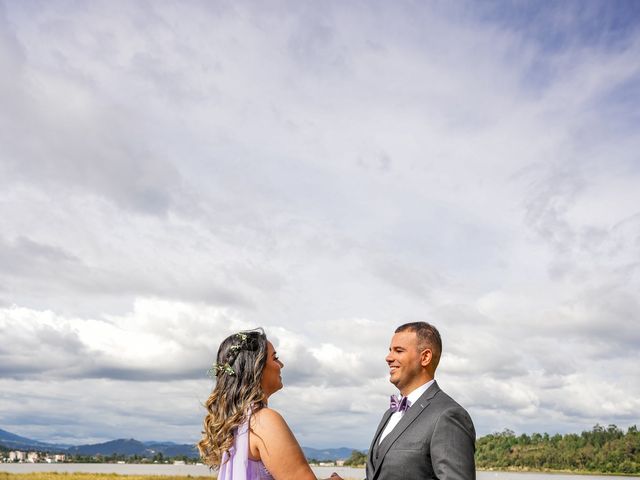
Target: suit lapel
[374,458]
[374,443]
[407,419]
[383,423]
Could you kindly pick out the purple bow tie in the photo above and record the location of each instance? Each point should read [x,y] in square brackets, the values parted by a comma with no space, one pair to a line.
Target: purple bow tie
[398,405]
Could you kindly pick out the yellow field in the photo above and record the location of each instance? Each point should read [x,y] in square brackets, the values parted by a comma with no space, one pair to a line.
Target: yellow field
[93,476]
[96,476]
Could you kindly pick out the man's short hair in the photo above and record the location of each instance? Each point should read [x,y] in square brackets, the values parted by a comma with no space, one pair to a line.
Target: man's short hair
[428,337]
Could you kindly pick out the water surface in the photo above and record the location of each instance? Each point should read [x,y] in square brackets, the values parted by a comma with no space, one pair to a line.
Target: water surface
[203,470]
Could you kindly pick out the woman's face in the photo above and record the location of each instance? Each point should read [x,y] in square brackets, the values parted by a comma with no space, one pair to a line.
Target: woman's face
[271,380]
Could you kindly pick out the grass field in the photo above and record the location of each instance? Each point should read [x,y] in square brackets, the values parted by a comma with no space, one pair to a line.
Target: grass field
[93,476]
[97,476]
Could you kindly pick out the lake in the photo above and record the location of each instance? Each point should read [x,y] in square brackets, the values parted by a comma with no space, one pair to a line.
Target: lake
[202,470]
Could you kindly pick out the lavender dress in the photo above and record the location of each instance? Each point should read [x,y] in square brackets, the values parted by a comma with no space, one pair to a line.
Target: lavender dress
[238,465]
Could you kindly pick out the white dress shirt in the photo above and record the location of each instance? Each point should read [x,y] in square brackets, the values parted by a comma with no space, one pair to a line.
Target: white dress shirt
[397,416]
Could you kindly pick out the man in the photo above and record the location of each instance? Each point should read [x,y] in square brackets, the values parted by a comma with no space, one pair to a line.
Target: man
[425,434]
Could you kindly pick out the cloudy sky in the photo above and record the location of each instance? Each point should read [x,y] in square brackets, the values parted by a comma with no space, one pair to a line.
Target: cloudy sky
[172,172]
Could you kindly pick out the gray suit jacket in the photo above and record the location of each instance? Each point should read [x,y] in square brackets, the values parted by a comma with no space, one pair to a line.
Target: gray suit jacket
[435,439]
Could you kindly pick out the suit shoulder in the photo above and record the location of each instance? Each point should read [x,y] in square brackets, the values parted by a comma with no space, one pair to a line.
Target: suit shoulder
[445,403]
[451,412]
[442,398]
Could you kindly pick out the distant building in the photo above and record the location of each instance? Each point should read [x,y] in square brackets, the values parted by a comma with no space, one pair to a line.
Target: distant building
[61,457]
[17,456]
[32,457]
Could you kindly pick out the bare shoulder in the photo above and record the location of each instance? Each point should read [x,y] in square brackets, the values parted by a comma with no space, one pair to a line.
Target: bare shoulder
[266,426]
[273,442]
[267,419]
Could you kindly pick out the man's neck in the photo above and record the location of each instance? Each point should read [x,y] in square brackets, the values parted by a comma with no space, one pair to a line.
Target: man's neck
[417,384]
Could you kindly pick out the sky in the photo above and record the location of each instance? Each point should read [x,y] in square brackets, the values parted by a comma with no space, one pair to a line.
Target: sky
[173,172]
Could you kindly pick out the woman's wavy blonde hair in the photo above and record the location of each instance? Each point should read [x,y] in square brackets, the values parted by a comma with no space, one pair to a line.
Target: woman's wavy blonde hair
[238,370]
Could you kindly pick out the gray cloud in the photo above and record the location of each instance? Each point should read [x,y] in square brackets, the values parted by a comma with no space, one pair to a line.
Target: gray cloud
[66,135]
[32,351]
[53,269]
[327,171]
[415,280]
[23,256]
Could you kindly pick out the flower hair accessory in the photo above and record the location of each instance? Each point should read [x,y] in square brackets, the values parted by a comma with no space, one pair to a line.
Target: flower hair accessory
[247,340]
[219,368]
[238,346]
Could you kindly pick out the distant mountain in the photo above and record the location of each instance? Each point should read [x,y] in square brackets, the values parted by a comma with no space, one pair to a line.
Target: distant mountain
[13,441]
[328,453]
[130,447]
[169,449]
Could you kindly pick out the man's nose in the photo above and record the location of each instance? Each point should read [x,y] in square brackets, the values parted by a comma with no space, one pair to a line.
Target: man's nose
[389,358]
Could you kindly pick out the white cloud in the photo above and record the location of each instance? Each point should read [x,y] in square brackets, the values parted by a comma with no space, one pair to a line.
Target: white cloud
[172,173]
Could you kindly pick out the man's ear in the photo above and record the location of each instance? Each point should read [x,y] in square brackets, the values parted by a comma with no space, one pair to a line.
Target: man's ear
[426,356]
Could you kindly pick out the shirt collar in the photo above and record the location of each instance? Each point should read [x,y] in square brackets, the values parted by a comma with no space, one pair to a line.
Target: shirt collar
[415,394]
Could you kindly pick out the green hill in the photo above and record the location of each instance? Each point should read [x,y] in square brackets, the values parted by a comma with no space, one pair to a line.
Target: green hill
[602,450]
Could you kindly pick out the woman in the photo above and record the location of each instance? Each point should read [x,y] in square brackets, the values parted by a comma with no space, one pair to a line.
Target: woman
[242,436]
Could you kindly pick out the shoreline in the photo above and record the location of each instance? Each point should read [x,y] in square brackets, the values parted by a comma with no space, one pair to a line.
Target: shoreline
[557,472]
[42,469]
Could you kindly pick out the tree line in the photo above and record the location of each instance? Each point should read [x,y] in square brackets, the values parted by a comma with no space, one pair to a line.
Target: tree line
[601,450]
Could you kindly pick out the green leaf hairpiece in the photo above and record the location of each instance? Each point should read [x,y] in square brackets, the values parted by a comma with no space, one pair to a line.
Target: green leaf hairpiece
[234,350]
[219,368]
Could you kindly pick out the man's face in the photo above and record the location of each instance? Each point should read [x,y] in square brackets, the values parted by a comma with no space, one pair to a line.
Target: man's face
[404,360]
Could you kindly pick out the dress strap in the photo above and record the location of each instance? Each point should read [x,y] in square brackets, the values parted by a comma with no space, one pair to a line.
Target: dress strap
[234,465]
